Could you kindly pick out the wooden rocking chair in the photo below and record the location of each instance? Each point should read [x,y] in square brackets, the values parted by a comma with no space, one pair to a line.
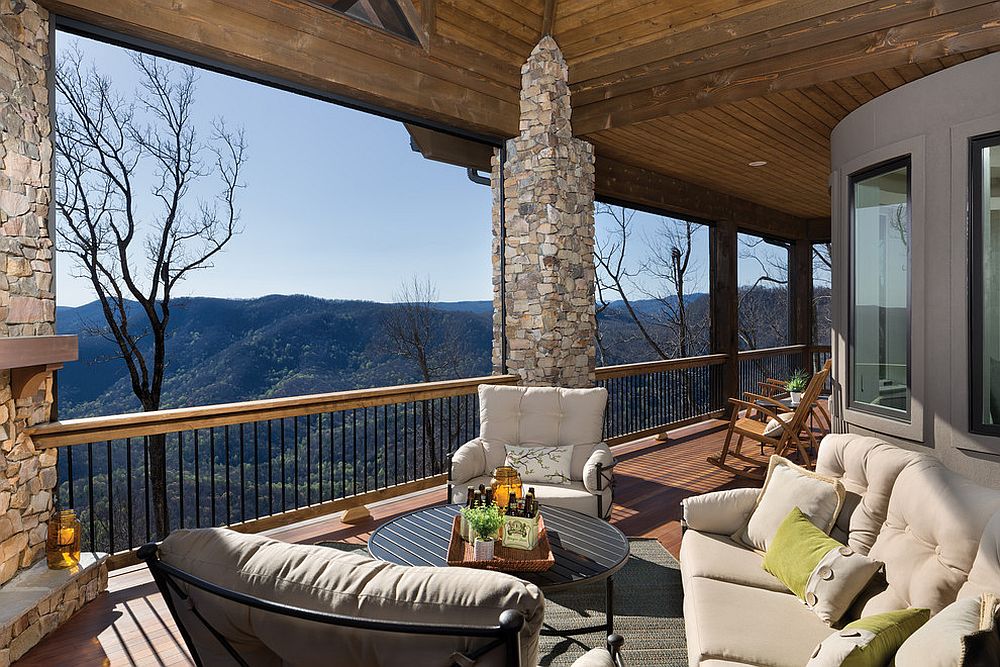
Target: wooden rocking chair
[785,441]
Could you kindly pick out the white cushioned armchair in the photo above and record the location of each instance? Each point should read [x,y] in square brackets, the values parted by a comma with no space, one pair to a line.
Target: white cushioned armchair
[546,417]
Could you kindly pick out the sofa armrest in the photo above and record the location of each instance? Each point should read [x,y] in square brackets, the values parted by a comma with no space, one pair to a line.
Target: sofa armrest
[467,462]
[720,512]
[594,481]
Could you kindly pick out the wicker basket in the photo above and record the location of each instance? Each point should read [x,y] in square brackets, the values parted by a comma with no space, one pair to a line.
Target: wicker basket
[539,559]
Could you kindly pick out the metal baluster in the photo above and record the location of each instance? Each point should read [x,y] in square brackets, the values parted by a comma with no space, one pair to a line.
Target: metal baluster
[211,470]
[180,477]
[128,487]
[343,454]
[111,498]
[197,481]
[354,455]
[295,457]
[309,478]
[365,432]
[145,483]
[229,486]
[284,464]
[270,469]
[90,492]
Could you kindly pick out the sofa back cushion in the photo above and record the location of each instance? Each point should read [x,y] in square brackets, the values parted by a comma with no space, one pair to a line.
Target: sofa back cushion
[350,584]
[868,468]
[984,577]
[930,536]
[546,416]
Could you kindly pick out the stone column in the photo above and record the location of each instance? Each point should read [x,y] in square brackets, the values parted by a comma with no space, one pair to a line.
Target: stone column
[548,241]
[27,304]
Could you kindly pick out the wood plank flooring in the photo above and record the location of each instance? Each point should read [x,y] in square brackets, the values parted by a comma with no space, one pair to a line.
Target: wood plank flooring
[130,625]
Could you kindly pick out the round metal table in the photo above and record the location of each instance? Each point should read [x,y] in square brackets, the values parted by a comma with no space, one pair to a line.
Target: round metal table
[586,549]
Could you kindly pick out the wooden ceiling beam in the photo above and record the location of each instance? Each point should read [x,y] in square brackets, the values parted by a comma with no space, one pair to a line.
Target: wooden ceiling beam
[318,49]
[640,187]
[767,33]
[952,33]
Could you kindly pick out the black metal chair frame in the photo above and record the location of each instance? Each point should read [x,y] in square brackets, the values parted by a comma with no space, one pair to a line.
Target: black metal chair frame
[504,636]
[605,476]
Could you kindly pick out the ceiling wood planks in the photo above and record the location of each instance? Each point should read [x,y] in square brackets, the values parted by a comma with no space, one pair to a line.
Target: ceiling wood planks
[689,90]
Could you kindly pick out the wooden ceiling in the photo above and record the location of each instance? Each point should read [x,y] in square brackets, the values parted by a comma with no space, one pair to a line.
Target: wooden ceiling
[691,90]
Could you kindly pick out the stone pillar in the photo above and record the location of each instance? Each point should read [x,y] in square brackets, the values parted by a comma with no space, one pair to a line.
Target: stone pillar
[548,241]
[27,304]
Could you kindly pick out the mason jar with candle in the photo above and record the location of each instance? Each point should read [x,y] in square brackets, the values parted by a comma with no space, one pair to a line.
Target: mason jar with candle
[62,548]
[506,483]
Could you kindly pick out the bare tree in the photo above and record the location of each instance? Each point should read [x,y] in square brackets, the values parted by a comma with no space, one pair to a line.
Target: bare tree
[822,292]
[763,304]
[416,330]
[109,151]
[615,276]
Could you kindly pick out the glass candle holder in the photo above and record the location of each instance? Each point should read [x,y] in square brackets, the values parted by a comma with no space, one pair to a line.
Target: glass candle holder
[506,483]
[62,548]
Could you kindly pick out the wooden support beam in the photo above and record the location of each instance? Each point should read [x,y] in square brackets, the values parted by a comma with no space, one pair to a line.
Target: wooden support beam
[548,17]
[724,301]
[319,50]
[810,63]
[800,285]
[617,181]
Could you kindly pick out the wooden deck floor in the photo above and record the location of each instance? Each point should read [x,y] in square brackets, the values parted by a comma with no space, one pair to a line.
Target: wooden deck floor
[130,625]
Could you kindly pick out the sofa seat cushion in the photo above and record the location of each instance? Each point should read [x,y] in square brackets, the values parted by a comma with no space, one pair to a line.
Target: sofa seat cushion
[747,625]
[930,537]
[719,557]
[572,496]
[350,584]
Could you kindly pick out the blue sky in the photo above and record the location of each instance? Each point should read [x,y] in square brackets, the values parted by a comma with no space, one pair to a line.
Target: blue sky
[337,205]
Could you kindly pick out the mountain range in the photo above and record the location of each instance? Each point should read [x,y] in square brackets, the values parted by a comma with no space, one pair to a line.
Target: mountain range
[228,350]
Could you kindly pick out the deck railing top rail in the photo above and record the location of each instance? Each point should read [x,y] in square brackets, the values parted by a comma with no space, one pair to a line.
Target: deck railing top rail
[96,429]
[643,367]
[772,351]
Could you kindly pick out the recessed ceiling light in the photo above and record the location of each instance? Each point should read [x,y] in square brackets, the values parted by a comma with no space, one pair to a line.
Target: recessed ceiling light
[757,163]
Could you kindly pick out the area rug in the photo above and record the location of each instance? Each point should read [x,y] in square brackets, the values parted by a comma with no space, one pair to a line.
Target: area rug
[648,611]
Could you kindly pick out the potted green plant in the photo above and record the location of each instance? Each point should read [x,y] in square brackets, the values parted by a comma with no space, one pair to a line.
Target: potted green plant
[796,385]
[485,522]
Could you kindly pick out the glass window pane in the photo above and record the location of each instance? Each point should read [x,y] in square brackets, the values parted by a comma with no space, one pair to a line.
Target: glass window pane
[986,284]
[880,342]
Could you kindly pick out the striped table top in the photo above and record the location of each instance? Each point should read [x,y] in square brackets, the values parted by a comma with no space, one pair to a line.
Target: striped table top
[586,549]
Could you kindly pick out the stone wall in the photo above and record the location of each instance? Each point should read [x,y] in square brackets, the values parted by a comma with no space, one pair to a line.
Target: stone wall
[27,304]
[548,248]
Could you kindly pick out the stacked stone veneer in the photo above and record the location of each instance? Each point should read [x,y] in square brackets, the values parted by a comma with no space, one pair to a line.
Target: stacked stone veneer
[27,308]
[548,247]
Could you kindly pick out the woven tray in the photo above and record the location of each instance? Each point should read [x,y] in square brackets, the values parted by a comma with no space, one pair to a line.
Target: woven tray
[539,559]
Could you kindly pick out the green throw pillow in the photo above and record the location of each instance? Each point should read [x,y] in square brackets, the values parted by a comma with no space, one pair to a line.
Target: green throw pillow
[869,642]
[821,571]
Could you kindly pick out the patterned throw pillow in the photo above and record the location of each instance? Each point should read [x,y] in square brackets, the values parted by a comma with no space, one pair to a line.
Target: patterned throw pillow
[869,642]
[821,571]
[544,465]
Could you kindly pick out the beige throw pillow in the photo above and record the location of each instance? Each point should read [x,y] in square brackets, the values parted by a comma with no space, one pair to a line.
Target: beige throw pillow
[787,486]
[544,465]
[963,634]
[774,427]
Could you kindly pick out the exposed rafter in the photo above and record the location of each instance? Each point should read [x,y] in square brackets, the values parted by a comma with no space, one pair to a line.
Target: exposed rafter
[958,31]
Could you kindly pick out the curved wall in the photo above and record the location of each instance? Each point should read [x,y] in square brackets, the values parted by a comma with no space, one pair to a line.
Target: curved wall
[930,119]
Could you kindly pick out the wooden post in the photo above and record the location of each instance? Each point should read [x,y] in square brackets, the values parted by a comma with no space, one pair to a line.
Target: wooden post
[724,295]
[800,294]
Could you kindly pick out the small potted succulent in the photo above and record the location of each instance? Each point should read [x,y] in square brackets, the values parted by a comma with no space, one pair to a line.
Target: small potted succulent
[485,522]
[796,385]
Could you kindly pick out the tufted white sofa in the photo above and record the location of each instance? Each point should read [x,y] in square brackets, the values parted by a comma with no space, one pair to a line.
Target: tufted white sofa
[543,416]
[938,534]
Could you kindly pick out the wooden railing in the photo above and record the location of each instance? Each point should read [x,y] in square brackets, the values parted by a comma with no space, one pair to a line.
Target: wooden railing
[261,464]
[651,397]
[258,464]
